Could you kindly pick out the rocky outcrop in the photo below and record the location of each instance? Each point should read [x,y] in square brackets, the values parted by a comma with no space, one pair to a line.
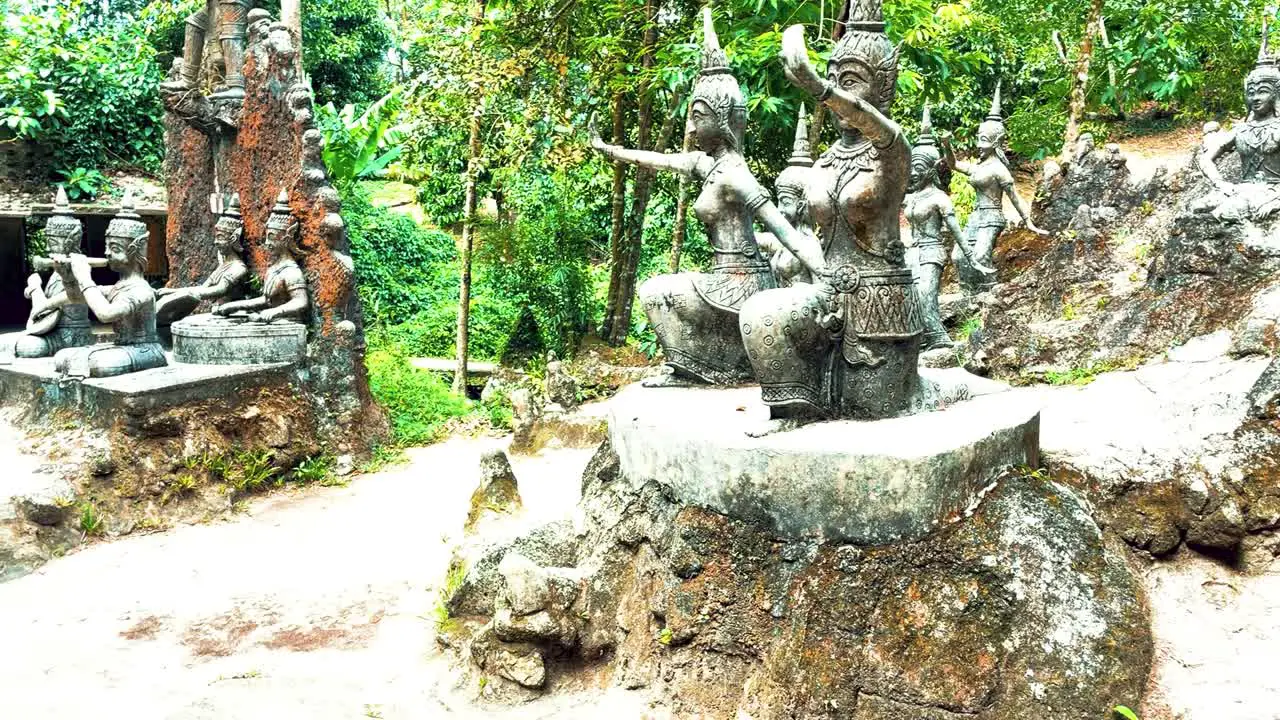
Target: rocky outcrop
[1129,272]
[1022,605]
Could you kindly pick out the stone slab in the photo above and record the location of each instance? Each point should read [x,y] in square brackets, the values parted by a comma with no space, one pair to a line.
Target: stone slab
[863,482]
[36,385]
[215,340]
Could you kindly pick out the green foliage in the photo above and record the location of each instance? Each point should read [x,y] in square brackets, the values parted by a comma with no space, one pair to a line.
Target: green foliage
[964,197]
[418,403]
[316,470]
[83,184]
[359,148]
[344,46]
[87,91]
[967,328]
[452,583]
[91,521]
[1124,713]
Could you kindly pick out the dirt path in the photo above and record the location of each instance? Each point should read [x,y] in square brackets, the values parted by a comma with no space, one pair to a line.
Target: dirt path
[315,605]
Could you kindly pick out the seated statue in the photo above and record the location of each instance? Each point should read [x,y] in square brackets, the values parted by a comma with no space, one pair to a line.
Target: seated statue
[227,280]
[695,315]
[789,189]
[129,305]
[55,321]
[929,210]
[229,19]
[992,181]
[284,289]
[846,346]
[1257,141]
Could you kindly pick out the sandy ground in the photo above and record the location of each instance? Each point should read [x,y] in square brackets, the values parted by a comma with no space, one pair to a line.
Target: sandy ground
[312,605]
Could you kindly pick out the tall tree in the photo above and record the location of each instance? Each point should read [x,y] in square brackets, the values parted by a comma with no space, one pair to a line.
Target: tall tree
[468,228]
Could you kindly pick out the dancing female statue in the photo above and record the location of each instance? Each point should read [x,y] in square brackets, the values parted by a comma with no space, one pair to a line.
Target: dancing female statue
[1257,142]
[227,280]
[695,315]
[929,210]
[789,189]
[55,321]
[993,181]
[129,305]
[846,346]
[284,289]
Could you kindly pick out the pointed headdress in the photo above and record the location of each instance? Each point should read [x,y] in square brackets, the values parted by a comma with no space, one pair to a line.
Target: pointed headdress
[865,43]
[1267,69]
[717,87]
[793,175]
[926,147]
[993,126]
[128,226]
[62,223]
[281,215]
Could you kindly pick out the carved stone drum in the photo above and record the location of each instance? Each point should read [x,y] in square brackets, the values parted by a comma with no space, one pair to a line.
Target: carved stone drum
[216,340]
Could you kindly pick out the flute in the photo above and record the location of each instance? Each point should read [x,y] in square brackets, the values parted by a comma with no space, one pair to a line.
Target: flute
[43,264]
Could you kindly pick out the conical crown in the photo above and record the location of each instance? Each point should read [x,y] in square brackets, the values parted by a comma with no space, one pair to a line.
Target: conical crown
[801,153]
[866,15]
[997,112]
[233,207]
[714,60]
[1267,69]
[62,223]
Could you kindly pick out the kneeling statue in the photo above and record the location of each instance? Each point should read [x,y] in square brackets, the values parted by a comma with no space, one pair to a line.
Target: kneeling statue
[284,289]
[129,305]
[55,321]
[227,280]
[695,315]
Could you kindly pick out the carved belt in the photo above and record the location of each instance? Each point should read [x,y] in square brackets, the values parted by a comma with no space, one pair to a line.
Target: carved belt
[878,305]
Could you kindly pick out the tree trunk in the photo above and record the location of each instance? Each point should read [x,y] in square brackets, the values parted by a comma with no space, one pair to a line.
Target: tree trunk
[618,322]
[1080,79]
[468,241]
[682,209]
[619,208]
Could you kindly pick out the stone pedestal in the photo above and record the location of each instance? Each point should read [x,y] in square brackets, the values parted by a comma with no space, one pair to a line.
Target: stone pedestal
[216,340]
[844,481]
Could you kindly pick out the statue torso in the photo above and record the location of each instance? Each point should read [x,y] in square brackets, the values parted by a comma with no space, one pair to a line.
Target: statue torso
[854,195]
[74,315]
[728,221]
[283,278]
[1259,146]
[924,212]
[138,325]
[989,179]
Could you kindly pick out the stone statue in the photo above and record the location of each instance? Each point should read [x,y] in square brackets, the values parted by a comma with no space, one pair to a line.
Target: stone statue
[284,289]
[129,305]
[992,181]
[1256,141]
[929,210]
[789,189]
[227,280]
[55,321]
[846,346]
[695,315]
[230,19]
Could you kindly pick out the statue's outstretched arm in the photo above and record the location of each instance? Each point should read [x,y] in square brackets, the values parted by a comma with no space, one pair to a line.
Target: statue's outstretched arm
[1021,206]
[949,155]
[853,109]
[1210,153]
[685,163]
[296,304]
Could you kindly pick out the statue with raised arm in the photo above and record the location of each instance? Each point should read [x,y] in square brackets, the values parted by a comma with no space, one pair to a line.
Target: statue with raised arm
[790,191]
[55,321]
[847,345]
[284,288]
[226,283]
[992,181]
[129,305]
[695,315]
[1257,141]
[929,210]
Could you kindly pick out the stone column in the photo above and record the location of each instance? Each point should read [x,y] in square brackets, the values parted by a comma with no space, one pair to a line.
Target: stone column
[291,16]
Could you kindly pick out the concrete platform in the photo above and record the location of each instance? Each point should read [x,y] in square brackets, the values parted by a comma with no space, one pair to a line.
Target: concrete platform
[867,483]
[37,386]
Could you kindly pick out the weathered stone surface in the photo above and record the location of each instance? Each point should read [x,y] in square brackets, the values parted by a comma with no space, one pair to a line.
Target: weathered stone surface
[214,340]
[498,492]
[48,502]
[863,482]
[275,145]
[1021,605]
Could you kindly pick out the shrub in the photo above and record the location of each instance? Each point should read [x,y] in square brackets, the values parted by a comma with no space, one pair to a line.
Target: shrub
[418,403]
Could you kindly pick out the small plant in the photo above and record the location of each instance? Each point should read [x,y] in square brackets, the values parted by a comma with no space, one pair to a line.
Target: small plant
[1141,252]
[250,470]
[452,582]
[91,522]
[967,328]
[1069,311]
[1147,208]
[83,184]
[1103,301]
[62,502]
[1122,711]
[665,636]
[373,711]
[183,484]
[318,470]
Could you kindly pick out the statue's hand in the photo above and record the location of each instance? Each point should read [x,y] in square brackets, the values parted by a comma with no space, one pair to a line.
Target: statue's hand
[162,292]
[597,142]
[223,309]
[33,286]
[795,62]
[265,316]
[80,269]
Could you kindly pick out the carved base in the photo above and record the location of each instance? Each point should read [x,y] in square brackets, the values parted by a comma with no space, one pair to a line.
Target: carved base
[215,340]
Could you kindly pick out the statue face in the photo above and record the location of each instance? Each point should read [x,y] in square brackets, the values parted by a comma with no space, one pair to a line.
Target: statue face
[63,243]
[117,253]
[226,235]
[790,201]
[990,135]
[922,174]
[1261,98]
[278,239]
[706,126]
[853,77]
